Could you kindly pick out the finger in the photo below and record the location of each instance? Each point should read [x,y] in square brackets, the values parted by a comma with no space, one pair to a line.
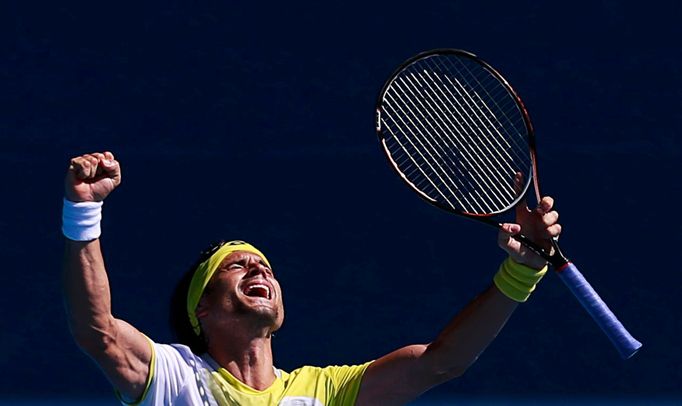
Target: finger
[99,168]
[81,166]
[113,170]
[87,169]
[507,242]
[522,205]
[99,156]
[505,239]
[511,228]
[108,164]
[93,158]
[75,163]
[545,205]
[550,218]
[90,165]
[518,182]
[87,157]
[75,168]
[107,160]
[553,231]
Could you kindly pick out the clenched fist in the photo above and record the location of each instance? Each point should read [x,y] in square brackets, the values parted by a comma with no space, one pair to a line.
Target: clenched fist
[91,177]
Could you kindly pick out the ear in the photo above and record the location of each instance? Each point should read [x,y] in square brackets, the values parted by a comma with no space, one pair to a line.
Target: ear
[202,307]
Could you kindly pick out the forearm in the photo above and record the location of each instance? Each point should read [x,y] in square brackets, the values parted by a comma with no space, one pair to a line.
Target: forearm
[86,291]
[121,351]
[401,376]
[469,333]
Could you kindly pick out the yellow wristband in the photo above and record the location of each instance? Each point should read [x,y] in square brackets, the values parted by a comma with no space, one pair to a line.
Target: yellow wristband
[517,281]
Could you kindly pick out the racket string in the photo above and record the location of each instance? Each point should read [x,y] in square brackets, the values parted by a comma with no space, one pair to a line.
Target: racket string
[467,134]
[452,166]
[449,131]
[441,125]
[488,177]
[442,181]
[417,167]
[470,160]
[410,172]
[425,176]
[508,99]
[516,148]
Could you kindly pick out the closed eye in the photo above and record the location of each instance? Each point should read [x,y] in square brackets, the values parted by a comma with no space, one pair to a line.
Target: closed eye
[237,265]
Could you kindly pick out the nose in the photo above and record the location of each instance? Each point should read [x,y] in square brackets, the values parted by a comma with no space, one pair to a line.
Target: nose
[257,269]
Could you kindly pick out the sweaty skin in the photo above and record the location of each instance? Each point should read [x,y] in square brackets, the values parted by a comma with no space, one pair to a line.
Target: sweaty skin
[239,326]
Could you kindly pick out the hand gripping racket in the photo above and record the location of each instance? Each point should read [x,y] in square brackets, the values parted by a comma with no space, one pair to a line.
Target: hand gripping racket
[458,135]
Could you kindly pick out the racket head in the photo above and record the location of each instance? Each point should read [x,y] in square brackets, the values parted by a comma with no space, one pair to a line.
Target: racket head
[457,133]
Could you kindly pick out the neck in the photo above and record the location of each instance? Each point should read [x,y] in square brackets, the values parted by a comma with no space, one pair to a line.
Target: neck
[247,358]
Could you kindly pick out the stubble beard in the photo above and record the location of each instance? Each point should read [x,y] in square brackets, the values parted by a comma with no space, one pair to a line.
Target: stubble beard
[261,316]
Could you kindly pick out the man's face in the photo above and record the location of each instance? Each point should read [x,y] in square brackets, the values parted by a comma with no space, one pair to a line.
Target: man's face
[243,290]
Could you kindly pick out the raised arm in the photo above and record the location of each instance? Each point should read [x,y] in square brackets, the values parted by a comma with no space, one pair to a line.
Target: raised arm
[404,374]
[120,350]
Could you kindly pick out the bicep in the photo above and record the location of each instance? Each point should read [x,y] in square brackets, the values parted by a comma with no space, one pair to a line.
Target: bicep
[124,355]
[399,377]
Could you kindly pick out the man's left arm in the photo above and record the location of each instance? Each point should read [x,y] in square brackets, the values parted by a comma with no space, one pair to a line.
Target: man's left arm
[401,376]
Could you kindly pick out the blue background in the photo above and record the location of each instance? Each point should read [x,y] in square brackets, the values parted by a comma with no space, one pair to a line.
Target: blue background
[255,121]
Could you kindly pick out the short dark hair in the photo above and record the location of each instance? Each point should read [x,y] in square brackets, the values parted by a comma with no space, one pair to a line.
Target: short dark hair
[178,317]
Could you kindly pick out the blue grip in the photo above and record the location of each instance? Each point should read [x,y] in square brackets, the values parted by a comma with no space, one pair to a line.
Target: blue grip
[626,344]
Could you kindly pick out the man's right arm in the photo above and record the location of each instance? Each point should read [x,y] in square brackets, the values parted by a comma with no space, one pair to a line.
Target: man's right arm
[121,351]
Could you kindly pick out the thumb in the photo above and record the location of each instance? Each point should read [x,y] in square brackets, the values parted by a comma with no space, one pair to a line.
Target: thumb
[112,169]
[510,228]
[505,240]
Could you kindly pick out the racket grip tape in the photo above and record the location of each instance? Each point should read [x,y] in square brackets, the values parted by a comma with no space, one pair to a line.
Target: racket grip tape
[626,345]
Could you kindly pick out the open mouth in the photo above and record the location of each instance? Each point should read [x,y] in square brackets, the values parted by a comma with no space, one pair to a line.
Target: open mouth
[258,290]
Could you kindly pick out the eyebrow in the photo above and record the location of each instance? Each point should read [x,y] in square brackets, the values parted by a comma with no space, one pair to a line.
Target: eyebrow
[242,260]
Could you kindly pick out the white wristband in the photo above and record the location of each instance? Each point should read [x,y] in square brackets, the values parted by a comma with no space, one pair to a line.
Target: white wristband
[81,220]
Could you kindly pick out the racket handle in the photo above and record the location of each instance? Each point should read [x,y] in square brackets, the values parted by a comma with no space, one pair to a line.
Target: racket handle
[626,345]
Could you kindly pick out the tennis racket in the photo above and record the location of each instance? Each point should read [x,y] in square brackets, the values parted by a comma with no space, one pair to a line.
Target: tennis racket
[458,134]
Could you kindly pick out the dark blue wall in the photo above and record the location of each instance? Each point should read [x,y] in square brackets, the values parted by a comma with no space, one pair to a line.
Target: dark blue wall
[256,122]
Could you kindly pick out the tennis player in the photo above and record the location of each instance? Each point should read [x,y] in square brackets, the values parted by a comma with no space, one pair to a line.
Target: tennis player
[231,304]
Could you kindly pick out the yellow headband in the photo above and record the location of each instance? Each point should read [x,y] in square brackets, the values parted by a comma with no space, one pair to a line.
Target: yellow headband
[205,271]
